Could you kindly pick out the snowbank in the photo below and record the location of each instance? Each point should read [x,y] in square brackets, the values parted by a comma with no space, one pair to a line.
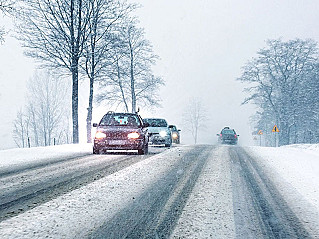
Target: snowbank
[11,159]
[297,164]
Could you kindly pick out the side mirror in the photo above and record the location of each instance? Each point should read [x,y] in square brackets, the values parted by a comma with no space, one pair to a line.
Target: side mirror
[217,134]
[95,124]
[179,130]
[145,125]
[237,135]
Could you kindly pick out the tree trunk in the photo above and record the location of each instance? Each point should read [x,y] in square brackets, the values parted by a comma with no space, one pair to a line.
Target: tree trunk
[74,70]
[120,84]
[132,81]
[90,111]
[75,100]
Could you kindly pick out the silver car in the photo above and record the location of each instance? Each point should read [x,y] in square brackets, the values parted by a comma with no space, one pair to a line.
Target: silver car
[159,132]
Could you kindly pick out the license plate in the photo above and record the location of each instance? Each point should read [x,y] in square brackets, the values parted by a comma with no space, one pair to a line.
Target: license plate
[117,142]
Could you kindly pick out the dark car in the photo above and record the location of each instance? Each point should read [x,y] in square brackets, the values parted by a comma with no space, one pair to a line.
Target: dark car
[228,136]
[159,132]
[121,131]
[176,137]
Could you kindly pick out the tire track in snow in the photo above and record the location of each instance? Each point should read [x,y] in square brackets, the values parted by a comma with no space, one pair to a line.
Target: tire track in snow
[261,211]
[154,213]
[45,189]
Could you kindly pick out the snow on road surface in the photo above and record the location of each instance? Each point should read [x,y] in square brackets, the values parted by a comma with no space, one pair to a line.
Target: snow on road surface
[75,214]
[209,212]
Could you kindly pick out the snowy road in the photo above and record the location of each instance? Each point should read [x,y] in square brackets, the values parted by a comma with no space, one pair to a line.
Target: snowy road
[201,191]
[22,190]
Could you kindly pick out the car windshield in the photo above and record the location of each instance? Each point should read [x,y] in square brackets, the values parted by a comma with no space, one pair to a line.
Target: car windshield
[120,120]
[156,122]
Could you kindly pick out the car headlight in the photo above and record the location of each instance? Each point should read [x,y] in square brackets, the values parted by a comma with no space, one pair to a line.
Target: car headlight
[99,135]
[175,136]
[163,133]
[133,135]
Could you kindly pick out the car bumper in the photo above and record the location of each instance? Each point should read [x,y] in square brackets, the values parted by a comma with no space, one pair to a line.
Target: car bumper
[229,141]
[158,140]
[124,144]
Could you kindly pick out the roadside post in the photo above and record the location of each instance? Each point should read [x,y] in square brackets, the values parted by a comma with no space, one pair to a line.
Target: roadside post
[275,130]
[260,133]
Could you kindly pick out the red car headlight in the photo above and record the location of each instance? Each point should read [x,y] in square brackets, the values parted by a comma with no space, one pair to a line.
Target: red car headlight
[99,135]
[133,135]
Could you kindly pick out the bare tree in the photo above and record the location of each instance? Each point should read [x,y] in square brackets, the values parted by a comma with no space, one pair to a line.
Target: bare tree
[45,115]
[129,80]
[20,129]
[141,58]
[54,32]
[194,114]
[7,7]
[115,83]
[105,15]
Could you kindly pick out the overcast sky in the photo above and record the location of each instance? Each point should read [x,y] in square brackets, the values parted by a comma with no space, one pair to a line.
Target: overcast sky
[202,45]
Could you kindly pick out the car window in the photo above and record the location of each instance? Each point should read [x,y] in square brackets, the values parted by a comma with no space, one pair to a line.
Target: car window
[228,131]
[156,122]
[120,120]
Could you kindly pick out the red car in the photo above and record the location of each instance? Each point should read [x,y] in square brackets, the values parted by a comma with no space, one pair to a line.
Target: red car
[121,131]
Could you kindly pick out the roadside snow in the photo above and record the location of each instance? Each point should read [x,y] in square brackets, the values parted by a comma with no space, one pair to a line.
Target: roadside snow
[17,158]
[297,164]
[295,170]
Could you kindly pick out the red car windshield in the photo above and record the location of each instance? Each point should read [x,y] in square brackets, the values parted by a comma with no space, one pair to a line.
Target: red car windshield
[120,120]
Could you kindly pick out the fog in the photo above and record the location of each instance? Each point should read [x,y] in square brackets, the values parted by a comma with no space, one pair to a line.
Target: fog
[202,46]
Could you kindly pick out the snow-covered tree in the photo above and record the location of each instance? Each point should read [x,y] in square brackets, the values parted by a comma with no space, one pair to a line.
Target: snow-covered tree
[284,79]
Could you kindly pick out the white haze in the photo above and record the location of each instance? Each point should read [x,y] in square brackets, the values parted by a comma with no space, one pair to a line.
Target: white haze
[202,44]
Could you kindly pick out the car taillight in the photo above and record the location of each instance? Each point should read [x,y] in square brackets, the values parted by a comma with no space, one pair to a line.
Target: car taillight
[236,136]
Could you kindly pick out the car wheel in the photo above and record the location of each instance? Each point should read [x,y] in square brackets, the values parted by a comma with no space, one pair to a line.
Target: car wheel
[96,151]
[143,150]
[168,145]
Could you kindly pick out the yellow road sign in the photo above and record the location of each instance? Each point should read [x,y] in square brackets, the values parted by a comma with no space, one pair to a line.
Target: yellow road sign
[275,129]
[260,132]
